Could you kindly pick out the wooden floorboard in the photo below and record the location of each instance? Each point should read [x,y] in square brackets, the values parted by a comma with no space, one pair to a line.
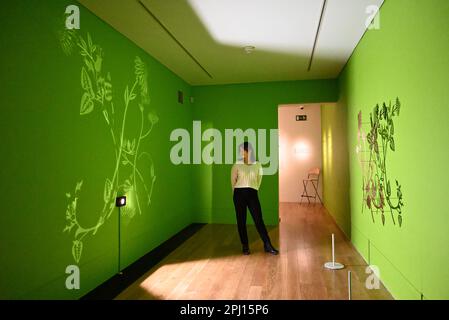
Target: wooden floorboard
[209,265]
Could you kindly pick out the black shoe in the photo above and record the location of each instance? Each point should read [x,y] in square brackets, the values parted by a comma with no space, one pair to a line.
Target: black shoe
[245,250]
[270,249]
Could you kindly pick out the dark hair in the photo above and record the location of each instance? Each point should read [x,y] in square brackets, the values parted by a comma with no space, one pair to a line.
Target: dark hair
[248,148]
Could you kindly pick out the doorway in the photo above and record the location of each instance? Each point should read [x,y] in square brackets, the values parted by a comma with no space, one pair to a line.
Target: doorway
[300,150]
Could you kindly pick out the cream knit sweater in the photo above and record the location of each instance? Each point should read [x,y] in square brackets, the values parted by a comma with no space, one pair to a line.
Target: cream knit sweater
[246,175]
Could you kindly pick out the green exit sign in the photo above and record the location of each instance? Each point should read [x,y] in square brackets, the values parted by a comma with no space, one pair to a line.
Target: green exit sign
[301,117]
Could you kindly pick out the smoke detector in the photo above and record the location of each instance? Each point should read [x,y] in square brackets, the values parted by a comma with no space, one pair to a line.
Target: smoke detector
[249,49]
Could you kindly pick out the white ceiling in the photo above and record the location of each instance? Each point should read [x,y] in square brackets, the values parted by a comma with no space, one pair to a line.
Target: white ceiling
[210,35]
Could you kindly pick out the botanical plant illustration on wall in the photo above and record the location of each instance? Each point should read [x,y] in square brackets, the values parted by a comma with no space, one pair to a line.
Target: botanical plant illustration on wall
[127,178]
[380,194]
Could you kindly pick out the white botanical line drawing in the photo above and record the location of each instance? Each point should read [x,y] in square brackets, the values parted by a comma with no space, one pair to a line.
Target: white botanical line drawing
[97,86]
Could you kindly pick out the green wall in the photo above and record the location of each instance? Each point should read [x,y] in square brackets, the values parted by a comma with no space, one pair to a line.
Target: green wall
[62,168]
[336,164]
[406,58]
[245,106]
[48,147]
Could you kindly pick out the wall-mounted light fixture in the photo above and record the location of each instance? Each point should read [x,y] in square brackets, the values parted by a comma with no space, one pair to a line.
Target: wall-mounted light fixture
[120,201]
[302,150]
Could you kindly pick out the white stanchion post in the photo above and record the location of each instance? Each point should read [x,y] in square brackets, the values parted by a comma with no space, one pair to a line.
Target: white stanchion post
[349,286]
[333,250]
[333,265]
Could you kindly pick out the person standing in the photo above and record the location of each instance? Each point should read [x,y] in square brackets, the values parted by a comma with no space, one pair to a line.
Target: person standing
[246,178]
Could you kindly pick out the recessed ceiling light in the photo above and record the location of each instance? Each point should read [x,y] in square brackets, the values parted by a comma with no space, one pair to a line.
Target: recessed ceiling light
[249,49]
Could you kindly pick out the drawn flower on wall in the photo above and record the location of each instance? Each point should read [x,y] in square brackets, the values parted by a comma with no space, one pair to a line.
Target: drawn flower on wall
[98,97]
[153,118]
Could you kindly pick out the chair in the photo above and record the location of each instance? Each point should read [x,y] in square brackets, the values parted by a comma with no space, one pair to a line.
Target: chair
[313,177]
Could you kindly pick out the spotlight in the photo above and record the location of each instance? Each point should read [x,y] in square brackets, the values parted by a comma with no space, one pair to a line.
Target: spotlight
[120,201]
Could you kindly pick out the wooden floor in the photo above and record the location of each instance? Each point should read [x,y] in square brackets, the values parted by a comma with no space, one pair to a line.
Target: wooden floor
[210,265]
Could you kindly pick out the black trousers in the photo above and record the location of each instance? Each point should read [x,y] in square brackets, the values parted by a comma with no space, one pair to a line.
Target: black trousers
[248,198]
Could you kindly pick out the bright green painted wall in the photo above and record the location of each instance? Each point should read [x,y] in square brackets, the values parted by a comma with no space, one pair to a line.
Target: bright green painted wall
[48,147]
[245,106]
[406,58]
[335,164]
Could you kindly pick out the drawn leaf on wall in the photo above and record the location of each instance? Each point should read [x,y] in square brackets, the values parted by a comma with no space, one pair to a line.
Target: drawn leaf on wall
[83,44]
[78,186]
[392,146]
[382,199]
[368,201]
[71,210]
[87,105]
[89,65]
[108,91]
[139,67]
[106,116]
[126,95]
[86,83]
[384,113]
[68,228]
[400,220]
[98,63]
[107,190]
[89,41]
[152,170]
[77,250]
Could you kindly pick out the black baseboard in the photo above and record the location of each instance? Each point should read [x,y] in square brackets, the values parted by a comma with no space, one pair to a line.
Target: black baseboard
[115,285]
